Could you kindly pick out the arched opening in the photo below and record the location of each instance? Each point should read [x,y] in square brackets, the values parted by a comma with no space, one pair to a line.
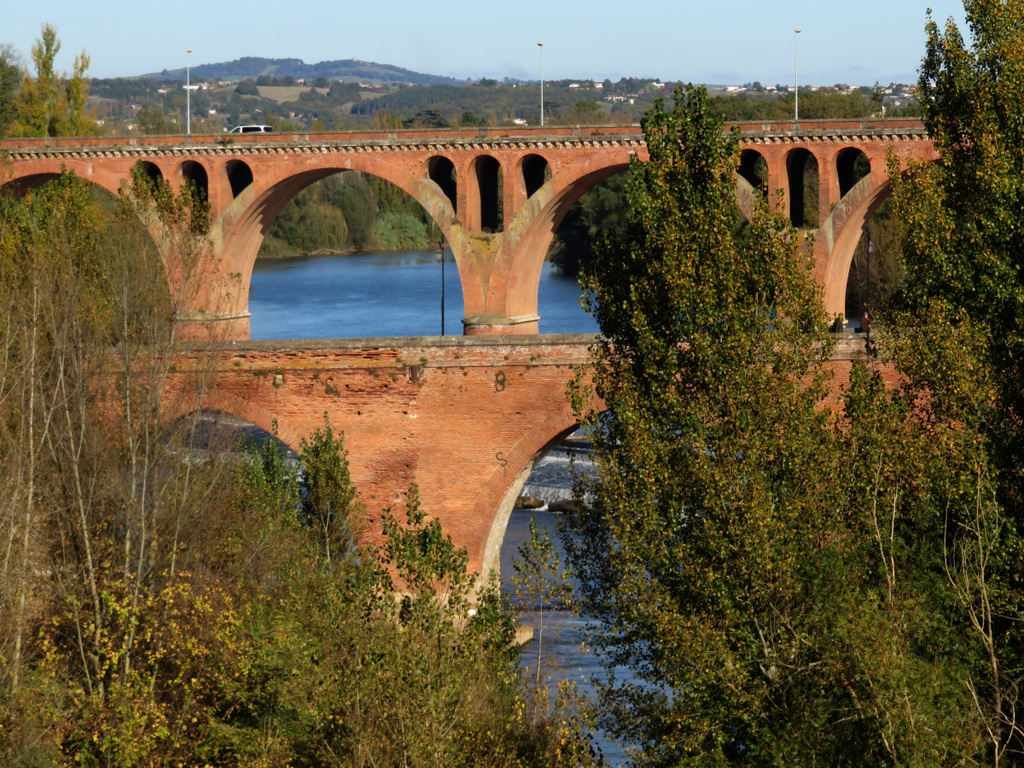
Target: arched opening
[209,433]
[754,169]
[239,176]
[24,184]
[802,175]
[550,633]
[875,272]
[194,174]
[599,214]
[441,171]
[351,255]
[536,171]
[488,175]
[151,171]
[852,165]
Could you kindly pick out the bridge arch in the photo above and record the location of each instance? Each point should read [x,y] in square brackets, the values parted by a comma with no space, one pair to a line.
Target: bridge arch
[852,165]
[196,173]
[497,497]
[246,410]
[842,231]
[249,216]
[521,264]
[532,172]
[485,214]
[753,169]
[441,171]
[150,170]
[751,180]
[238,176]
[802,212]
[50,171]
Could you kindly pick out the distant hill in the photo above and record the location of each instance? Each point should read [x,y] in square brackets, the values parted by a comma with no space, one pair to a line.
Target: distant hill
[342,69]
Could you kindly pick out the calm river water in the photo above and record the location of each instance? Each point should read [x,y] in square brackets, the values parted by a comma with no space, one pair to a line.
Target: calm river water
[399,294]
[383,294]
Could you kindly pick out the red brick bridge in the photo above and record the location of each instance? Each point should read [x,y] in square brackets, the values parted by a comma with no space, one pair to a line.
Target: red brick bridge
[467,417]
[498,195]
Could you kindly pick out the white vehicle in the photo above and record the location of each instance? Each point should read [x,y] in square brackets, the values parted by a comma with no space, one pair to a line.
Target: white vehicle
[252,129]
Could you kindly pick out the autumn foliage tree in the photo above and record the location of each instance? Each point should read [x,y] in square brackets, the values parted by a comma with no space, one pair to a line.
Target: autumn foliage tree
[50,102]
[961,334]
[785,586]
[692,539]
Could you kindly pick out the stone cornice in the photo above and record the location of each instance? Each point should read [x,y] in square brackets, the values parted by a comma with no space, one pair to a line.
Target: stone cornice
[752,134]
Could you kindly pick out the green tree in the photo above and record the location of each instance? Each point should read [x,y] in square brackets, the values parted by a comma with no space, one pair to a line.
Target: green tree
[690,541]
[247,88]
[783,586]
[540,586]
[52,103]
[354,196]
[10,82]
[152,121]
[961,333]
[329,503]
[399,231]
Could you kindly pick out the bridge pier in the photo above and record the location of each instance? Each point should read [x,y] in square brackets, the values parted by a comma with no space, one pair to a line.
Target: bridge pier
[495,325]
[197,325]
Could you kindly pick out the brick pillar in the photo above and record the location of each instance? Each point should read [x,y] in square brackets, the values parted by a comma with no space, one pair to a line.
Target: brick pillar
[828,184]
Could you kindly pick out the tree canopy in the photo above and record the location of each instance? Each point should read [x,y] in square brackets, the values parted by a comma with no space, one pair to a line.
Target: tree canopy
[778,584]
[52,103]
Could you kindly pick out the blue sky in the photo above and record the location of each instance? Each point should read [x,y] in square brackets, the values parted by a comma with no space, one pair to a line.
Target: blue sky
[703,41]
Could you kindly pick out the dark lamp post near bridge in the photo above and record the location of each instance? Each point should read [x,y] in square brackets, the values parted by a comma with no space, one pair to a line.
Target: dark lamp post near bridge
[440,253]
[796,75]
[541,46]
[188,92]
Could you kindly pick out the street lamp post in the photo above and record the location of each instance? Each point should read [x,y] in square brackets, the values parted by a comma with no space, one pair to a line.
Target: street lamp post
[541,46]
[440,249]
[796,75]
[188,93]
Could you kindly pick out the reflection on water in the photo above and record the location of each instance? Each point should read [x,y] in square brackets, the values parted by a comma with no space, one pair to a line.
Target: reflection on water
[383,294]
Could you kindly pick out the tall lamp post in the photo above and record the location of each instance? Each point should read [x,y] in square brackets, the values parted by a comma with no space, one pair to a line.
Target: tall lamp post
[440,249]
[796,75]
[188,93]
[541,46]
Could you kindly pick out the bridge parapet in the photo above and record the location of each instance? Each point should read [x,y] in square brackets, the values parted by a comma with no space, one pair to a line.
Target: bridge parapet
[447,139]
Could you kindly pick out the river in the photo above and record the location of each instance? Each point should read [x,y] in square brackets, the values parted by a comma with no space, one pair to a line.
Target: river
[399,294]
[383,294]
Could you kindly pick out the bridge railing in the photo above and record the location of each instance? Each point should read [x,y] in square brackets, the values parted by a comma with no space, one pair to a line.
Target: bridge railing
[452,135]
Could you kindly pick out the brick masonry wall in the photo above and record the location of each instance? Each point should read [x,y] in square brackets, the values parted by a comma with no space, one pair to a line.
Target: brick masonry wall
[465,418]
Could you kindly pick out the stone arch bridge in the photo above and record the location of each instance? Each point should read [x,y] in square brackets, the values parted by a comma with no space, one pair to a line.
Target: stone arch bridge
[497,195]
[465,417]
